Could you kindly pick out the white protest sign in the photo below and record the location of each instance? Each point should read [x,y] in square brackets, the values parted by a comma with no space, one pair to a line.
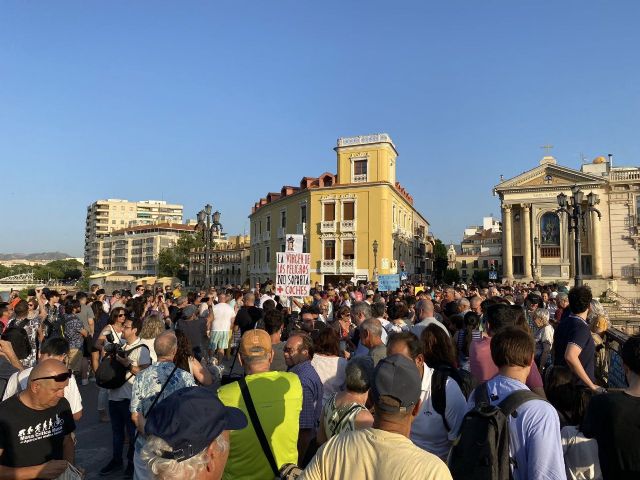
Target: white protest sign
[292,274]
[294,243]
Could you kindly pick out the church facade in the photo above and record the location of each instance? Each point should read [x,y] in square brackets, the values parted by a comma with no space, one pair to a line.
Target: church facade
[537,243]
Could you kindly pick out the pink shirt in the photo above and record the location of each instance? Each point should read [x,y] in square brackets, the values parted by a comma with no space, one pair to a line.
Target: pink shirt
[483,368]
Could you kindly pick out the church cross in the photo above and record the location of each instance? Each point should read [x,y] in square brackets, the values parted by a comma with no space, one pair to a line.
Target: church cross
[547,148]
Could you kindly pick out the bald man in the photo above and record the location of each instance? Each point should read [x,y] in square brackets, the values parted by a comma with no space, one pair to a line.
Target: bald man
[36,426]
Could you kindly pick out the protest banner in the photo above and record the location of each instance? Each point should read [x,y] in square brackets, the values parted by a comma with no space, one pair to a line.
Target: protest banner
[293,274]
[388,283]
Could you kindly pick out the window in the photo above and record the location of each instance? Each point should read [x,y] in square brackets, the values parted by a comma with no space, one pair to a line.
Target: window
[268,254]
[113,222]
[329,212]
[550,229]
[268,224]
[360,170]
[283,219]
[303,214]
[348,249]
[329,249]
[485,264]
[475,264]
[638,210]
[518,265]
[260,226]
[586,265]
[348,211]
[464,264]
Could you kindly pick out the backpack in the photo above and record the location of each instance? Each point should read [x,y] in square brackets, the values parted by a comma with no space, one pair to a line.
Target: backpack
[438,388]
[482,448]
[111,373]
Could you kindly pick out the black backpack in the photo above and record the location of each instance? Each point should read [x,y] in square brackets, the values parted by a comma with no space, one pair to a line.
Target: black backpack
[481,451]
[438,388]
[111,373]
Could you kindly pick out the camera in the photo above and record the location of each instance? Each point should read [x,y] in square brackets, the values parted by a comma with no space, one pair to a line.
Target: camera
[113,348]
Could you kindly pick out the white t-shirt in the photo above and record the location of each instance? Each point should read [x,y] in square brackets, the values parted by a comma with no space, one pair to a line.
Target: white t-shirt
[140,356]
[428,430]
[71,392]
[331,371]
[223,314]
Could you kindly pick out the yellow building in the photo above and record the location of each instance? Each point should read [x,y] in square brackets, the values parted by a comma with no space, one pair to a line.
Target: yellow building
[342,216]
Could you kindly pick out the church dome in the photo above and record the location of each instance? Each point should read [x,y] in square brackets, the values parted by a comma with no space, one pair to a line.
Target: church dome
[599,160]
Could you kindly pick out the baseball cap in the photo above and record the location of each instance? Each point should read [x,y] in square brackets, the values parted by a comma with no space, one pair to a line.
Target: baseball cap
[189,311]
[396,384]
[190,419]
[255,343]
[370,293]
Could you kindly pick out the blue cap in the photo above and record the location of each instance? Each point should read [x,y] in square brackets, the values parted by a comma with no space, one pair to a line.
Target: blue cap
[190,419]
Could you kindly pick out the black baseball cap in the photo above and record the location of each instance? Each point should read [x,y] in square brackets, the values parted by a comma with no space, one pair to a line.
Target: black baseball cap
[190,419]
[396,384]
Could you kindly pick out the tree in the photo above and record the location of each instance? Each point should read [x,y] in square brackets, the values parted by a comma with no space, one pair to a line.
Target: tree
[174,261]
[440,260]
[451,276]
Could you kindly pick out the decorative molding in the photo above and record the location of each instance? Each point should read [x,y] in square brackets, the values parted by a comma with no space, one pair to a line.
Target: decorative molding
[357,155]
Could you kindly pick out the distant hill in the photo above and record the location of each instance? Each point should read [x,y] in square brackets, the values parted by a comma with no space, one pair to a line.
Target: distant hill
[35,256]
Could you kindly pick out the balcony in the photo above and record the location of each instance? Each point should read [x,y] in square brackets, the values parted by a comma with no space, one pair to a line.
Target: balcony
[347,266]
[282,232]
[256,239]
[266,236]
[348,226]
[360,178]
[550,252]
[328,226]
[301,228]
[328,266]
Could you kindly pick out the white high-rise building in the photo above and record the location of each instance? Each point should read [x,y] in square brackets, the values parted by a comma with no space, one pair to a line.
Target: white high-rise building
[105,216]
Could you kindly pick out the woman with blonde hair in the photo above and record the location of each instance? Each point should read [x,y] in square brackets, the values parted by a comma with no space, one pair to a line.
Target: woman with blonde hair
[152,326]
[599,326]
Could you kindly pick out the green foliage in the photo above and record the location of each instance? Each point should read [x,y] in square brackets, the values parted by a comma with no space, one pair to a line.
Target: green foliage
[174,261]
[451,275]
[56,270]
[440,261]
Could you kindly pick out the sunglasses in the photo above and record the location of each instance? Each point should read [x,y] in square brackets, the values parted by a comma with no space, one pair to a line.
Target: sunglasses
[61,377]
[122,315]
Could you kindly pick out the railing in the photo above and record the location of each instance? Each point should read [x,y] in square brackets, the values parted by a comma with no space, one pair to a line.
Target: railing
[622,176]
[282,232]
[348,226]
[301,228]
[550,252]
[266,236]
[619,306]
[347,266]
[328,226]
[613,341]
[360,178]
[328,266]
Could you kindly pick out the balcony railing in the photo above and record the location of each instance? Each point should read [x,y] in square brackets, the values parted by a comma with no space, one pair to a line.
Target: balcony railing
[266,236]
[550,252]
[328,226]
[360,178]
[301,228]
[328,266]
[256,238]
[624,176]
[347,266]
[282,232]
[348,226]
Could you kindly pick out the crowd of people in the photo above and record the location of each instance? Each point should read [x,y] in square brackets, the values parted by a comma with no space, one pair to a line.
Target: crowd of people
[433,382]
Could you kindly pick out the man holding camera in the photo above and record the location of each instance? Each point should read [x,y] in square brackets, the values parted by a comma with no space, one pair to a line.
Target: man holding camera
[135,356]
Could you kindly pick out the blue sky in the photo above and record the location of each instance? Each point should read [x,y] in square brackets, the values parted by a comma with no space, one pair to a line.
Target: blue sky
[221,102]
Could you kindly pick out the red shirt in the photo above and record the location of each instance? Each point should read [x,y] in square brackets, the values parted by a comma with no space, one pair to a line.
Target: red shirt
[483,368]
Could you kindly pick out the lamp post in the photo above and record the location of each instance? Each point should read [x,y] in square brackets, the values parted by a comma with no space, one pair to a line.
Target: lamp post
[576,214]
[209,225]
[375,260]
[534,261]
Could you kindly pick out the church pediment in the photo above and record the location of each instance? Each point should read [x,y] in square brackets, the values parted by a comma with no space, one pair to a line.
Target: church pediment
[548,176]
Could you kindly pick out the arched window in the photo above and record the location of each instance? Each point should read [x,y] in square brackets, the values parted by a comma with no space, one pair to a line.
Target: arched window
[550,230]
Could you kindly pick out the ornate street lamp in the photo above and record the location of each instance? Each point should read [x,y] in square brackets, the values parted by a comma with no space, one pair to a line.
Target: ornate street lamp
[210,227]
[576,215]
[375,260]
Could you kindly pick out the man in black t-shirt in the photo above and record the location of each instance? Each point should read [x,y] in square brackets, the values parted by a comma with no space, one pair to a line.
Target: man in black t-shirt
[248,315]
[613,419]
[36,426]
[573,344]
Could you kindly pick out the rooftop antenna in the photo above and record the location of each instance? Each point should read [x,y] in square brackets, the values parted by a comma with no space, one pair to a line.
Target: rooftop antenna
[583,157]
[610,155]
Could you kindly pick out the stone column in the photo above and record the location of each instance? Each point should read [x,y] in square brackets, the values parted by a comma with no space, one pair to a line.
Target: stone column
[526,240]
[596,249]
[507,246]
